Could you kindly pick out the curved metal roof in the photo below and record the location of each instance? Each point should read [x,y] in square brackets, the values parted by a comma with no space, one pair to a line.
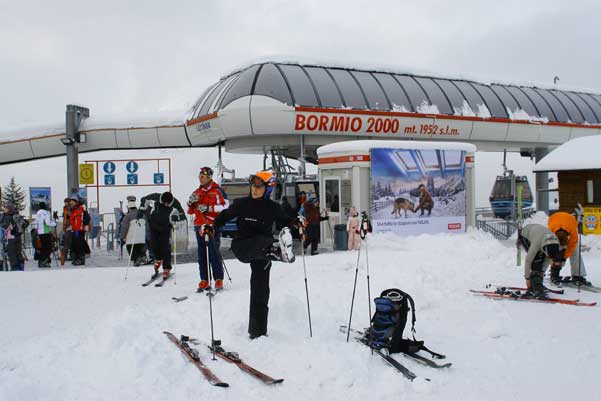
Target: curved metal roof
[346,88]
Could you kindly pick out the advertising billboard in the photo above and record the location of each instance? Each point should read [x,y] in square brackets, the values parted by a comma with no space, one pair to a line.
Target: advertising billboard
[38,195]
[417,191]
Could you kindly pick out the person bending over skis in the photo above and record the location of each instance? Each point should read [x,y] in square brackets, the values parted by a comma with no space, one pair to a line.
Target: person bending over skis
[254,243]
[542,247]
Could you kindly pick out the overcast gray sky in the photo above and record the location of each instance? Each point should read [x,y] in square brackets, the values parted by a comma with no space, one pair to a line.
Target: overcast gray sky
[119,56]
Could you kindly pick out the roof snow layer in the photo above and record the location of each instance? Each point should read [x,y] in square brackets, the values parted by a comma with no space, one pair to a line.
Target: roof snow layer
[582,153]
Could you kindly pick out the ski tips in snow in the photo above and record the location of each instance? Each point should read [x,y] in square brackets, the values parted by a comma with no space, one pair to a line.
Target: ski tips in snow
[504,293]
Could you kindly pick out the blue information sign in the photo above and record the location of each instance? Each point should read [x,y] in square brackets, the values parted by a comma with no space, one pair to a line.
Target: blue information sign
[109,167]
[132,179]
[109,179]
[131,166]
[159,178]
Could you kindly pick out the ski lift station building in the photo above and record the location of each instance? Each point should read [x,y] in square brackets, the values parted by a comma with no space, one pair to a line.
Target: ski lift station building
[295,107]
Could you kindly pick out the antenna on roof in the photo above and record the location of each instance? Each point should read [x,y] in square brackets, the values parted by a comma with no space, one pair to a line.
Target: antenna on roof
[555,80]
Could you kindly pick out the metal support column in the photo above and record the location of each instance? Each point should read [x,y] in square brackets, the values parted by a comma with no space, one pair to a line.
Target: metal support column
[541,183]
[73,117]
[302,166]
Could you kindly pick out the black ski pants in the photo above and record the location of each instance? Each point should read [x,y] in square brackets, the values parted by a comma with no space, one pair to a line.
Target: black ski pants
[45,250]
[161,247]
[14,249]
[78,248]
[259,297]
[313,234]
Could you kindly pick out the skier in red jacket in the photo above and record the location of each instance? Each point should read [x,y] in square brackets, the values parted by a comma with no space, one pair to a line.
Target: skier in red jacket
[205,203]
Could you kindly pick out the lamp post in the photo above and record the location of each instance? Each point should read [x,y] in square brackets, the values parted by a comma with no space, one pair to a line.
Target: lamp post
[73,117]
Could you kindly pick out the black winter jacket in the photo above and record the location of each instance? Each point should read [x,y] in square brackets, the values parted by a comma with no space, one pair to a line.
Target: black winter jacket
[255,217]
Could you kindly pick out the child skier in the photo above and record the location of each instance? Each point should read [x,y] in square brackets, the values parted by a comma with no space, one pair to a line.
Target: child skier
[161,220]
[353,226]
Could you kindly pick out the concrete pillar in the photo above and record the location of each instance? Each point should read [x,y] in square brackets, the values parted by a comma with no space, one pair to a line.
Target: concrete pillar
[541,183]
[73,117]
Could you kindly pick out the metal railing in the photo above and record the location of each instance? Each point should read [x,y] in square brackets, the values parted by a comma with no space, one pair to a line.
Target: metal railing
[500,229]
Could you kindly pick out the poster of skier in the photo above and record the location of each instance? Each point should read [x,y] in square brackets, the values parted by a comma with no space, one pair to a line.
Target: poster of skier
[39,195]
[417,191]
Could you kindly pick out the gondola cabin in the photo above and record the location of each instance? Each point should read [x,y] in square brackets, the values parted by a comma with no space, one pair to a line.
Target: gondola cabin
[501,197]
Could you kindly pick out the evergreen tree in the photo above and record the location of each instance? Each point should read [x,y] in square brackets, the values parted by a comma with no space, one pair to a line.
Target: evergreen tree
[13,193]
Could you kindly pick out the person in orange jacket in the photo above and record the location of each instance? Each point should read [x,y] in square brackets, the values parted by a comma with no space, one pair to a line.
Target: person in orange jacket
[76,220]
[565,227]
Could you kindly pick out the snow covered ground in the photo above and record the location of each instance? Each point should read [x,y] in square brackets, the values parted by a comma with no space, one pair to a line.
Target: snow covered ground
[88,334]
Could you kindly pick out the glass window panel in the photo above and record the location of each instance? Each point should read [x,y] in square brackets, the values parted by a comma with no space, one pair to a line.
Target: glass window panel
[350,90]
[473,97]
[493,103]
[455,97]
[394,91]
[435,94]
[453,158]
[271,83]
[589,117]
[575,115]
[375,97]
[328,94]
[407,160]
[525,103]
[508,100]
[416,95]
[224,91]
[301,87]
[333,195]
[241,87]
[206,107]
[596,107]
[558,109]
[430,158]
[201,99]
[540,103]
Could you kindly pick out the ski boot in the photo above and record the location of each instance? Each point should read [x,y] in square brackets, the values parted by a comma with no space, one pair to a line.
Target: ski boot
[166,273]
[203,286]
[218,285]
[580,280]
[285,243]
[157,267]
[555,277]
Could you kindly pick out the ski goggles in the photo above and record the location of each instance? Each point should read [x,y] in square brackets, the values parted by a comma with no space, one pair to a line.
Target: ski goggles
[256,182]
[206,171]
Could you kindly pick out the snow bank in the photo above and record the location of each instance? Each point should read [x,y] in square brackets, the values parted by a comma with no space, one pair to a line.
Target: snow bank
[77,334]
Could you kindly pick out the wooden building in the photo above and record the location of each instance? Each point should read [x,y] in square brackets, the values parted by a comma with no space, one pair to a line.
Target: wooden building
[578,166]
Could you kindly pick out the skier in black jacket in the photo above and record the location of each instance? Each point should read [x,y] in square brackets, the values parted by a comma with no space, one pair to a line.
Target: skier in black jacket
[254,243]
[164,214]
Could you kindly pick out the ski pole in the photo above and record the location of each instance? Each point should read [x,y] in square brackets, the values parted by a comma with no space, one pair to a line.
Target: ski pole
[579,212]
[302,235]
[206,238]
[222,261]
[365,229]
[129,260]
[174,256]
[348,333]
[368,286]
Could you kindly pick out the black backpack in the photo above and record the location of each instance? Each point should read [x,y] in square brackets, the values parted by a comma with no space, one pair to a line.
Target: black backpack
[86,218]
[389,321]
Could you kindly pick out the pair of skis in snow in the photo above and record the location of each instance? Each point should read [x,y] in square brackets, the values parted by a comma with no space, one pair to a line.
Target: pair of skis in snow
[518,294]
[183,343]
[156,276]
[359,336]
